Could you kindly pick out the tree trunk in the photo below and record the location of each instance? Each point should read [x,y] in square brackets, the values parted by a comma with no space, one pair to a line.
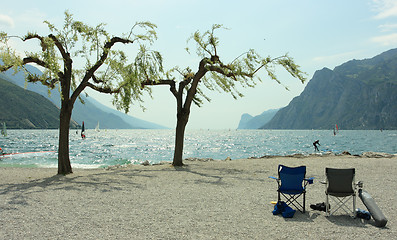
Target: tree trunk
[184,111]
[180,138]
[64,166]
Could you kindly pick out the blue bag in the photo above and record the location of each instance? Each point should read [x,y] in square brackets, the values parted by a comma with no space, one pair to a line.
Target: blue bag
[284,209]
[288,212]
[279,207]
[363,214]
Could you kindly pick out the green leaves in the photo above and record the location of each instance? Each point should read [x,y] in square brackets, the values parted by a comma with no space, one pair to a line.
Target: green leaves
[3,37]
[98,65]
[77,56]
[8,55]
[206,42]
[148,64]
[245,69]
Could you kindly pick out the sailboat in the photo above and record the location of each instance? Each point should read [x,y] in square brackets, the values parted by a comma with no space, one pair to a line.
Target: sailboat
[97,128]
[4,130]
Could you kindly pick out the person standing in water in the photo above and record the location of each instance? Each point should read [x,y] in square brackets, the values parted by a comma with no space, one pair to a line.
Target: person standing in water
[317,142]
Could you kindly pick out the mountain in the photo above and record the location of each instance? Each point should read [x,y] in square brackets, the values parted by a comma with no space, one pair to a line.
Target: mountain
[249,122]
[133,121]
[359,94]
[20,108]
[91,112]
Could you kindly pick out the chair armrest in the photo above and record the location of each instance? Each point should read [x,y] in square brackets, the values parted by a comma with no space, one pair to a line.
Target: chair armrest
[309,180]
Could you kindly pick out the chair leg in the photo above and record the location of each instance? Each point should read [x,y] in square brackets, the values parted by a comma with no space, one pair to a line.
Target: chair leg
[341,203]
[354,206]
[292,200]
[327,205]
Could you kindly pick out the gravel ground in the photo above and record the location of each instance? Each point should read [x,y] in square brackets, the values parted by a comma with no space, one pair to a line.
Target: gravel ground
[202,200]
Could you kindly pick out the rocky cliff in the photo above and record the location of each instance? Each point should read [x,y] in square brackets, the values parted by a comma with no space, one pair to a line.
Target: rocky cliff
[254,122]
[359,94]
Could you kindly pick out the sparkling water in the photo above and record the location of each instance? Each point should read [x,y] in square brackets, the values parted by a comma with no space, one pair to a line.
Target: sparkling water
[111,147]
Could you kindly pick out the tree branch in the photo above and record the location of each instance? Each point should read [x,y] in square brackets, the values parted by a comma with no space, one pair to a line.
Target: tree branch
[230,74]
[58,44]
[162,82]
[104,89]
[96,80]
[32,36]
[196,79]
[44,46]
[108,45]
[90,72]
[5,68]
[39,62]
[49,82]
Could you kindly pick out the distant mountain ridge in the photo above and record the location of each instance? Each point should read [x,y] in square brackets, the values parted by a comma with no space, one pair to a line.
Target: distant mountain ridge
[250,122]
[91,112]
[359,94]
[20,108]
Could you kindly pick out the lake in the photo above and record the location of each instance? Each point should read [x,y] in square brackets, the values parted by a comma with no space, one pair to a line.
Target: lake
[111,147]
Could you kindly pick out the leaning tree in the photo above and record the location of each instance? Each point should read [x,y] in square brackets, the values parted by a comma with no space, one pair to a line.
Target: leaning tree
[214,74]
[102,67]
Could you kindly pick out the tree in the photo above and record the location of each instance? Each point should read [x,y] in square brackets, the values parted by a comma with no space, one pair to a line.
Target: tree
[106,70]
[214,74]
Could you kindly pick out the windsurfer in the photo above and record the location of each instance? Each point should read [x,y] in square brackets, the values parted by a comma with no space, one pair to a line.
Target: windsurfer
[82,131]
[1,151]
[317,142]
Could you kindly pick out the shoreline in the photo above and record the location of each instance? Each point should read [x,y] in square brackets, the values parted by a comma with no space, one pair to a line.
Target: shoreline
[146,162]
[201,200]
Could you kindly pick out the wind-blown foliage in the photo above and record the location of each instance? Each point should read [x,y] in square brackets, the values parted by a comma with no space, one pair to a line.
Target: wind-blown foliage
[242,71]
[82,42]
[216,75]
[102,68]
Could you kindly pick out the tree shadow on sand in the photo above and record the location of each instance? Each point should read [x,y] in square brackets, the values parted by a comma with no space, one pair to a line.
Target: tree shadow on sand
[19,193]
[120,179]
[219,175]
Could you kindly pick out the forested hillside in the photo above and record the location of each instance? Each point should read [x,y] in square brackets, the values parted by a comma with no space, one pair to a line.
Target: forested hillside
[20,108]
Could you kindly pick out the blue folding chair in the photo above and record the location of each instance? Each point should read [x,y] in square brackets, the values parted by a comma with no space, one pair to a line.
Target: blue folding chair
[292,184]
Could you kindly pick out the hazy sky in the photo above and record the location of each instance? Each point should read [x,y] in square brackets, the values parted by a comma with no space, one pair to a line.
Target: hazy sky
[316,33]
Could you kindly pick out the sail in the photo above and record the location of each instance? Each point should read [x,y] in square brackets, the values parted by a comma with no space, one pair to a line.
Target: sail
[97,128]
[336,126]
[4,130]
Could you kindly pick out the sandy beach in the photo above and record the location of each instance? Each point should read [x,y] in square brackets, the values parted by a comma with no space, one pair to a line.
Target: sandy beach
[202,200]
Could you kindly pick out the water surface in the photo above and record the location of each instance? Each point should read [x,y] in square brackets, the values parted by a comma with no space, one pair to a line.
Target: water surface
[110,147]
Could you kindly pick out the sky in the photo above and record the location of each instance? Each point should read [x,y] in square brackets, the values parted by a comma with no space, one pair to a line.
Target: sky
[316,33]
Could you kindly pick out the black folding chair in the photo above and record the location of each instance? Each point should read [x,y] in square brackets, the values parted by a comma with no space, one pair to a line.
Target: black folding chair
[340,187]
